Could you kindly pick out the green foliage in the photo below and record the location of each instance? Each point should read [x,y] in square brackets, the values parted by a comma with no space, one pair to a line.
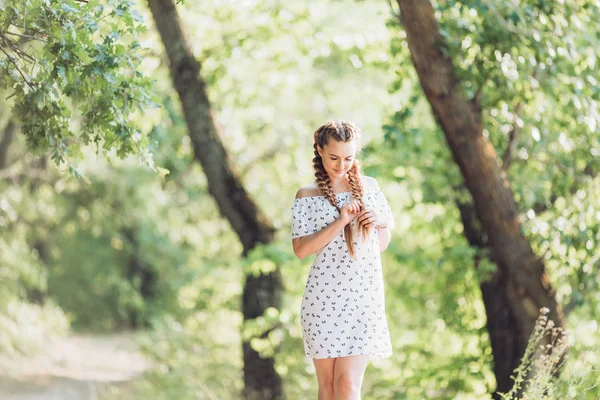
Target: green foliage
[199,355]
[72,71]
[196,359]
[274,72]
[136,268]
[26,326]
[429,267]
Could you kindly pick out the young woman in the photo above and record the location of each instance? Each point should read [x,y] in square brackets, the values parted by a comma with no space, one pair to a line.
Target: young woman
[345,219]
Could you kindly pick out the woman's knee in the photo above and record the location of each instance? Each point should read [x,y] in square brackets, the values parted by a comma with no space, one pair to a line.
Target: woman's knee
[347,386]
[326,391]
[326,388]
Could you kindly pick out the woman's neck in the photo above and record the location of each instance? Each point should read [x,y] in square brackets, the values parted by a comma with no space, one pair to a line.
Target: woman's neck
[340,184]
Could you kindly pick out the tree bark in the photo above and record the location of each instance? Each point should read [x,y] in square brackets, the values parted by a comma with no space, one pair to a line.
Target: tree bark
[40,237]
[520,288]
[5,141]
[507,342]
[248,221]
[138,272]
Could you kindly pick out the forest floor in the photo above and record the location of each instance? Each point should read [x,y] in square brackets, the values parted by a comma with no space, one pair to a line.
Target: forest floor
[77,367]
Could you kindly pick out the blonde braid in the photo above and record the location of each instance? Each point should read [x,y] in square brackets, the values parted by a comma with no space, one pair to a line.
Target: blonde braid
[358,191]
[323,181]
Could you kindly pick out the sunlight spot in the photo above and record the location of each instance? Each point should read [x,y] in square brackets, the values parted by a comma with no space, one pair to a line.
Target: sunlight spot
[356,63]
[116,243]
[466,43]
[523,154]
[440,325]
[591,123]
[566,142]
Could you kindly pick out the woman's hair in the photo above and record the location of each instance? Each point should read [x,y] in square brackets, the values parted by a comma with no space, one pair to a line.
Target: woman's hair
[341,131]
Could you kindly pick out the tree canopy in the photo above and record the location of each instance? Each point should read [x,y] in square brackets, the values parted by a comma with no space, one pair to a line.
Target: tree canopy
[71,72]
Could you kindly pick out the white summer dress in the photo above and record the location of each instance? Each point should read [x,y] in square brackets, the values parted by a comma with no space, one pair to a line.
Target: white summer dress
[343,305]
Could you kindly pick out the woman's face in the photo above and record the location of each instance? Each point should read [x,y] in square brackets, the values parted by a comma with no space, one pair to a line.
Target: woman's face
[338,157]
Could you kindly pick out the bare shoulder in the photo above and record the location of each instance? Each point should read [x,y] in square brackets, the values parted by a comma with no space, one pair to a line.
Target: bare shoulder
[370,182]
[307,191]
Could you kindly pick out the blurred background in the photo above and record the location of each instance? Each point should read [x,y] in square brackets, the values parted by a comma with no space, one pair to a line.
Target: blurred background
[150,153]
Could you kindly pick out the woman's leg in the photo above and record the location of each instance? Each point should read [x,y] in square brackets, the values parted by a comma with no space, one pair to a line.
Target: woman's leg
[348,376]
[324,368]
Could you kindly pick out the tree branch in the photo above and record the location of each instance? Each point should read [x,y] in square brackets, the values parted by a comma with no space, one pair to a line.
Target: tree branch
[515,131]
[267,155]
[24,36]
[476,100]
[393,12]
[14,62]
[588,171]
[14,46]
[512,138]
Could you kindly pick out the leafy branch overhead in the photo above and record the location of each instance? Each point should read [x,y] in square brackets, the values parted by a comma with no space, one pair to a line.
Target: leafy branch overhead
[70,71]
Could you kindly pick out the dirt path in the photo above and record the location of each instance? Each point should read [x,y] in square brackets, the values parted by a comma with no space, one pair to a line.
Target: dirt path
[79,367]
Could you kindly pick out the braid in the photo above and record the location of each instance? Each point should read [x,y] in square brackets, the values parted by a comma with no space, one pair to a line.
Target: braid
[358,191]
[323,181]
[341,131]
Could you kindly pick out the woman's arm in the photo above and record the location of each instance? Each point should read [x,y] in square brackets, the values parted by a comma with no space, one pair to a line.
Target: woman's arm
[309,244]
[384,237]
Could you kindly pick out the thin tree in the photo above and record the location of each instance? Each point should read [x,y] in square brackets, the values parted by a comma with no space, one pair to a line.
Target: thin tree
[248,221]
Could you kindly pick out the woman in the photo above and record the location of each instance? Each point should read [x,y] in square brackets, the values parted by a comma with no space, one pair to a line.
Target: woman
[345,219]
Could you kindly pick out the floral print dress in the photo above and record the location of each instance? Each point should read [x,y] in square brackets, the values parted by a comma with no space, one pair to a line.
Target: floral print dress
[343,305]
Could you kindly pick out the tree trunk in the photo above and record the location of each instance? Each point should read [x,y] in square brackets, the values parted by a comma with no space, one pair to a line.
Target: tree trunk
[507,342]
[248,221]
[5,141]
[520,288]
[138,272]
[40,237]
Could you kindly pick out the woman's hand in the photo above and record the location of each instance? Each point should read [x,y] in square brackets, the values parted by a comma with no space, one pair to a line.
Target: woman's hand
[349,211]
[368,217]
